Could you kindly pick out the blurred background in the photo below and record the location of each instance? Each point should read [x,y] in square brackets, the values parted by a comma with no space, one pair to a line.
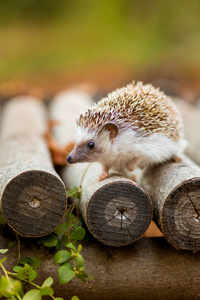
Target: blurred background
[49,45]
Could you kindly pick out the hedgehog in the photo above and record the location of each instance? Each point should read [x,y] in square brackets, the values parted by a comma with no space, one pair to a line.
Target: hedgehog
[134,126]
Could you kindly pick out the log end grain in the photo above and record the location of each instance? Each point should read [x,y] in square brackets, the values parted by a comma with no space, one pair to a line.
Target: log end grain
[119,213]
[180,222]
[33,203]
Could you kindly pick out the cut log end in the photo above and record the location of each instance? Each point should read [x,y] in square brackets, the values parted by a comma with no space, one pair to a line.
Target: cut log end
[119,213]
[180,221]
[33,203]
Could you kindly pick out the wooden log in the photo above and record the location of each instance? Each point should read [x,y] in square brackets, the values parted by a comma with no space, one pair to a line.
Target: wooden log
[117,211]
[32,196]
[64,109]
[175,192]
[148,269]
[191,118]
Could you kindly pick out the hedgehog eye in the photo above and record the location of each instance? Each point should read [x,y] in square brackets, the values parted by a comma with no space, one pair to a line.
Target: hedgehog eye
[91,145]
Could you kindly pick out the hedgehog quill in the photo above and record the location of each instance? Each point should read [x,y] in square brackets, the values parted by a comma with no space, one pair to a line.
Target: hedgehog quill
[136,125]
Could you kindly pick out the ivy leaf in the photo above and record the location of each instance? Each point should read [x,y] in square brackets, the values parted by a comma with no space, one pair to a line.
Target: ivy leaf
[32,295]
[3,251]
[65,274]
[61,256]
[58,298]
[48,282]
[61,229]
[74,298]
[49,241]
[46,291]
[78,234]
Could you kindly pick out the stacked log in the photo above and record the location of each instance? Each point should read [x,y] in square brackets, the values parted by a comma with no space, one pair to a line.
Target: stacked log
[175,189]
[117,211]
[32,196]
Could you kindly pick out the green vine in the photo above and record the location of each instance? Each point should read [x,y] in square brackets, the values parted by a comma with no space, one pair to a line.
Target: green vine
[71,263]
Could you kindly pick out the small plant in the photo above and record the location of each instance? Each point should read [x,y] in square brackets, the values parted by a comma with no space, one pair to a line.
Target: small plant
[71,263]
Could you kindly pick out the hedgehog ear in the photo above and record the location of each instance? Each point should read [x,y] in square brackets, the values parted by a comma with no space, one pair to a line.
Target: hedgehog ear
[112,128]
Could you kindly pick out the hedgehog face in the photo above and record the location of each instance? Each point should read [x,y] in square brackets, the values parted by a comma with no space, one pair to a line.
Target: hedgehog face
[85,151]
[92,146]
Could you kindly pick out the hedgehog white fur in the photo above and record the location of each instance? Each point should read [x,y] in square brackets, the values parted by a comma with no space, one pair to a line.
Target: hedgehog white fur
[136,125]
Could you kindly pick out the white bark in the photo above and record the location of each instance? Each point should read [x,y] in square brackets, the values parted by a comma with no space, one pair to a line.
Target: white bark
[29,183]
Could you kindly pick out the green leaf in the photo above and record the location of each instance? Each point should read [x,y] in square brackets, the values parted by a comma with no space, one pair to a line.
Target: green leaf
[27,261]
[17,268]
[74,222]
[11,244]
[37,262]
[3,251]
[68,265]
[80,260]
[2,260]
[49,241]
[78,234]
[17,287]
[61,256]
[2,220]
[32,274]
[71,246]
[65,240]
[48,282]
[46,291]
[58,244]
[74,298]
[74,192]
[32,295]
[58,298]
[61,229]
[65,274]
[79,248]
[6,289]
[26,272]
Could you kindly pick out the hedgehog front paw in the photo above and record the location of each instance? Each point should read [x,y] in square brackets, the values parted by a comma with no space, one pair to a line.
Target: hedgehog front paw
[133,177]
[103,176]
[132,164]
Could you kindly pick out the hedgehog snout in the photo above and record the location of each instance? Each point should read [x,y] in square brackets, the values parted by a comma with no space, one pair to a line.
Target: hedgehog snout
[69,159]
[73,157]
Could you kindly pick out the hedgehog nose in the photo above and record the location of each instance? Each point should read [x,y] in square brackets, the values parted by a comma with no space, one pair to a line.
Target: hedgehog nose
[69,159]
